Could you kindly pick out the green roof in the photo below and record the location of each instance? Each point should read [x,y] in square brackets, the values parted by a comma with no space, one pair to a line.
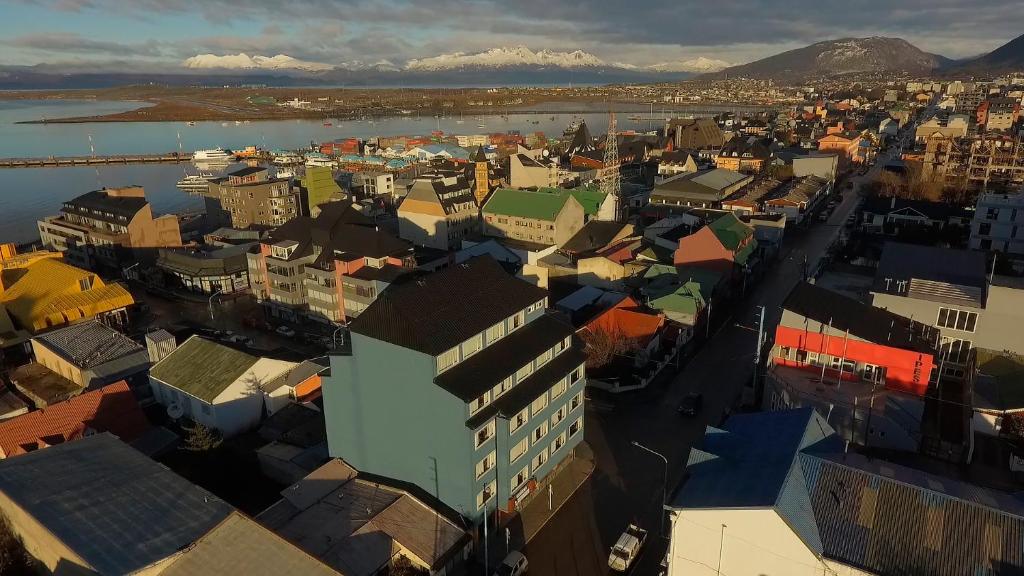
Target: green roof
[731,232]
[320,185]
[537,205]
[590,198]
[685,298]
[706,279]
[202,368]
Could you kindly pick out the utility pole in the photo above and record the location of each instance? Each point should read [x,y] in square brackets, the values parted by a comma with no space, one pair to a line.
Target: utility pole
[664,483]
[757,351]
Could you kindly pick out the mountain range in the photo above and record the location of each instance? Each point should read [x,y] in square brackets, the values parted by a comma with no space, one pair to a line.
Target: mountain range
[1007,58]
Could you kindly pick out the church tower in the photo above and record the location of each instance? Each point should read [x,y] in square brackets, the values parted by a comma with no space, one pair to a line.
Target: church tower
[482,177]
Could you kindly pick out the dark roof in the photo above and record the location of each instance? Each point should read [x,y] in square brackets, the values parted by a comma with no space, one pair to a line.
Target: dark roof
[248,170]
[480,156]
[387,273]
[123,208]
[443,309]
[338,228]
[740,145]
[932,264]
[482,371]
[594,235]
[864,321]
[110,504]
[933,210]
[89,344]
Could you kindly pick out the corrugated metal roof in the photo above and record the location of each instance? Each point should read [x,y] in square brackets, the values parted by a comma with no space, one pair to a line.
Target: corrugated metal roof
[89,344]
[202,368]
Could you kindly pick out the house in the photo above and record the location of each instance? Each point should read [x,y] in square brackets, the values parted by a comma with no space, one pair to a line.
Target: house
[595,236]
[207,269]
[250,197]
[111,408]
[441,151]
[104,229]
[744,154]
[895,216]
[684,295]
[947,126]
[494,382]
[864,368]
[317,187]
[703,189]
[797,198]
[214,385]
[326,269]
[694,134]
[301,383]
[847,144]
[997,384]
[549,216]
[362,525]
[776,493]
[147,515]
[239,545]
[38,291]
[439,211]
[725,245]
[627,346]
[531,171]
[91,354]
[676,162]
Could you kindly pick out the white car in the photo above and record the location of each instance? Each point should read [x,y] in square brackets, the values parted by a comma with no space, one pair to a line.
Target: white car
[514,564]
[285,331]
[627,548]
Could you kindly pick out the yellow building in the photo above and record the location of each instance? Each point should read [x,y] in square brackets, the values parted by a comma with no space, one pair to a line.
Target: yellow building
[39,291]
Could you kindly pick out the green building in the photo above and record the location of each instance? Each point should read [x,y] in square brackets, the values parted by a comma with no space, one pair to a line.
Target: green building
[461,384]
[316,188]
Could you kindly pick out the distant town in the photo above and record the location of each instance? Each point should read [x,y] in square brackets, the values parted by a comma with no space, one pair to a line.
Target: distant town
[747,326]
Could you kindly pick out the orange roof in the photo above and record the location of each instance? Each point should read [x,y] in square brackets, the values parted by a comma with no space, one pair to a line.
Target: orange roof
[631,324]
[109,409]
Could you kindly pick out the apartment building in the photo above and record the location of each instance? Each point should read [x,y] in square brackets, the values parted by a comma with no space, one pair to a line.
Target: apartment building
[439,211]
[250,197]
[744,154]
[487,386]
[998,223]
[986,162]
[946,126]
[328,268]
[549,216]
[103,228]
[531,171]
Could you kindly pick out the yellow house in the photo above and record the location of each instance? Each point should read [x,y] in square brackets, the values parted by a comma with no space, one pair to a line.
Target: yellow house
[39,291]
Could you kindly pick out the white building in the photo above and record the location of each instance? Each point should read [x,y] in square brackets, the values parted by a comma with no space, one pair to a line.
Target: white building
[999,223]
[216,386]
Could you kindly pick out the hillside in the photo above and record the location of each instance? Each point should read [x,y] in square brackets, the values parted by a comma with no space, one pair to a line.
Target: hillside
[1007,58]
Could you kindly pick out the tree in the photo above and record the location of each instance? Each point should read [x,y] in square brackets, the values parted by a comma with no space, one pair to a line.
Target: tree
[401,566]
[14,560]
[603,345]
[199,438]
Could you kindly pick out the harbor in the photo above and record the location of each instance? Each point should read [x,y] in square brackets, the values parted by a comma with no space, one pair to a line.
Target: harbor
[58,161]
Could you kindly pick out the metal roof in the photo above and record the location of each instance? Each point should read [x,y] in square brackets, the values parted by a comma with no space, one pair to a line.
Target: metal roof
[110,504]
[89,344]
[202,368]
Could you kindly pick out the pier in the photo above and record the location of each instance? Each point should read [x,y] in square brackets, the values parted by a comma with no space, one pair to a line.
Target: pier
[96,160]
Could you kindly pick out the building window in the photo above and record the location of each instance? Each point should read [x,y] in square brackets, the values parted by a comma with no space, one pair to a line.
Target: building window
[447,359]
[472,346]
[577,401]
[871,373]
[559,442]
[784,352]
[558,416]
[483,466]
[485,495]
[478,404]
[558,389]
[544,358]
[535,306]
[564,344]
[577,374]
[539,404]
[518,421]
[955,350]
[524,372]
[957,319]
[495,332]
[539,432]
[518,319]
[484,434]
[575,427]
[539,460]
[520,478]
[518,450]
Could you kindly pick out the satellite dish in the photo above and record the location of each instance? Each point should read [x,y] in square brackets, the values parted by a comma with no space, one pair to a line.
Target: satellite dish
[175,411]
[546,153]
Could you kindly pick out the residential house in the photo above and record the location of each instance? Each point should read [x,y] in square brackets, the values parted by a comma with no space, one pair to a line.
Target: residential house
[694,134]
[494,381]
[208,269]
[810,163]
[864,368]
[326,269]
[725,245]
[895,216]
[146,517]
[362,525]
[776,493]
[104,229]
[676,162]
[996,382]
[797,198]
[703,189]
[215,385]
[595,236]
[90,354]
[550,216]
[644,337]
[684,295]
[250,197]
[111,408]
[531,171]
[439,211]
[847,144]
[995,223]
[744,154]
[947,126]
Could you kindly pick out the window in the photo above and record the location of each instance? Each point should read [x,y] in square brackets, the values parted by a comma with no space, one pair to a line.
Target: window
[577,401]
[558,389]
[957,319]
[495,332]
[523,372]
[955,350]
[518,421]
[447,359]
[539,404]
[812,359]
[784,352]
[576,375]
[472,346]
[544,358]
[486,494]
[486,464]
[539,432]
[520,478]
[535,306]
[558,416]
[564,344]
[476,405]
[501,387]
[484,434]
[518,320]
[559,442]
[871,373]
[575,427]
[518,450]
[539,460]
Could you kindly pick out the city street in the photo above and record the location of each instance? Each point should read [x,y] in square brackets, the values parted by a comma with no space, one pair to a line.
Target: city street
[627,485]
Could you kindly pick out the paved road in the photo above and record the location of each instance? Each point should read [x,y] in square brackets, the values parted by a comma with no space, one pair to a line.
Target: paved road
[627,484]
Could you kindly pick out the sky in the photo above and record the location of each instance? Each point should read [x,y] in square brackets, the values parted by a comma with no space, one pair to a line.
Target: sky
[149,35]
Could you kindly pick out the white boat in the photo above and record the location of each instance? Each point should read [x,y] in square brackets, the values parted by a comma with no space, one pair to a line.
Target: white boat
[285,173]
[195,183]
[286,158]
[214,155]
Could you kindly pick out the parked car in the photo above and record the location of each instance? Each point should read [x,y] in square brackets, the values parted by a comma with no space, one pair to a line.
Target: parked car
[627,548]
[691,404]
[285,331]
[514,564]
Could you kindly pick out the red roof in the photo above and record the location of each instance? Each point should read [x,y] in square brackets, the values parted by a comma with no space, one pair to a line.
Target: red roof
[630,323]
[109,409]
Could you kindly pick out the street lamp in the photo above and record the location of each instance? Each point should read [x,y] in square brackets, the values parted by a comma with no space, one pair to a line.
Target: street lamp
[664,482]
[334,337]
[210,301]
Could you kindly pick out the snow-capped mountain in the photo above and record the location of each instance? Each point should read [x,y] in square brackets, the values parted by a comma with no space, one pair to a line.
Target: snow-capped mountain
[506,57]
[243,61]
[699,64]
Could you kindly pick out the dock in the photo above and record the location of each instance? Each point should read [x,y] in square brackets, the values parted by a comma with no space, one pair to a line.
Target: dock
[96,160]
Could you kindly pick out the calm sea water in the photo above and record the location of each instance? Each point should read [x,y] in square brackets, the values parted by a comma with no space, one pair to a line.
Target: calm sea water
[28,194]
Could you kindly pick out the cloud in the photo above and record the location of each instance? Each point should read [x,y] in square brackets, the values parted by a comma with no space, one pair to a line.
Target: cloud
[69,42]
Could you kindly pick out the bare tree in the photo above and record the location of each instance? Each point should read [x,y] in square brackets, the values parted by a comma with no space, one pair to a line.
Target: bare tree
[603,345]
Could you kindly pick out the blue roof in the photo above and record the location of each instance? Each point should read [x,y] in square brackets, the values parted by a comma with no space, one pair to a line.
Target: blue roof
[868,513]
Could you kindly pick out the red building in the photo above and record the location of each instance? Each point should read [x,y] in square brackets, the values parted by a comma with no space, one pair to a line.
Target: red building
[339,147]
